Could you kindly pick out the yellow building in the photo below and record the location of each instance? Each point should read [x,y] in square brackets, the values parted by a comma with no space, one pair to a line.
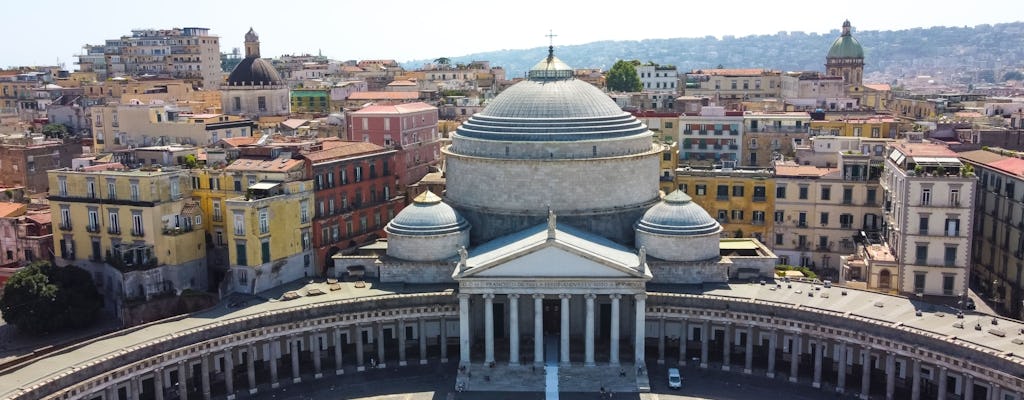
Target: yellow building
[878,126]
[119,127]
[741,199]
[669,163]
[268,238]
[134,230]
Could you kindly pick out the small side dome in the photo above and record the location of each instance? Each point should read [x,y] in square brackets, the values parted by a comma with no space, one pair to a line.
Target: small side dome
[678,215]
[427,216]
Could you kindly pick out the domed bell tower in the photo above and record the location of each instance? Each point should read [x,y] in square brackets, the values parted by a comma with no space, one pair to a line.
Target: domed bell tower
[846,58]
[252,44]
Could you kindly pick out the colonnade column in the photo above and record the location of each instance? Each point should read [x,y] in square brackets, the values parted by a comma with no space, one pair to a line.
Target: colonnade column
[134,388]
[683,337]
[272,360]
[463,329]
[182,380]
[158,383]
[564,359]
[727,347]
[772,343]
[794,359]
[613,356]
[513,329]
[865,378]
[381,363]
[229,374]
[314,343]
[250,368]
[641,320]
[705,334]
[538,329]
[360,357]
[204,369]
[588,359]
[444,339]
[942,384]
[748,353]
[890,375]
[336,337]
[293,347]
[661,340]
[488,328]
[818,349]
[968,387]
[841,375]
[915,383]
[421,330]
[401,342]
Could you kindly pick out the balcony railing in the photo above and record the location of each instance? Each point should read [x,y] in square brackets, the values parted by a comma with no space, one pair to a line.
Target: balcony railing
[760,198]
[177,230]
[114,230]
[92,228]
[138,232]
[801,224]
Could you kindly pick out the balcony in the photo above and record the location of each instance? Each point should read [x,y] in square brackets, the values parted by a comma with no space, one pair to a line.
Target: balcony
[801,224]
[177,230]
[138,232]
[114,230]
[92,228]
[760,198]
[218,218]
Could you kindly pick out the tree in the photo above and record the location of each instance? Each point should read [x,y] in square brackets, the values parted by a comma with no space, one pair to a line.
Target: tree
[191,161]
[443,61]
[1013,76]
[55,131]
[623,78]
[43,298]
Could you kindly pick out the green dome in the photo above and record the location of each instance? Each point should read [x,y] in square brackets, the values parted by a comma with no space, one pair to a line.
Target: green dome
[845,45]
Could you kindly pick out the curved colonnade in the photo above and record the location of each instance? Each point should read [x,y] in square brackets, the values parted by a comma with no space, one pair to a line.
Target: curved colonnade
[800,343]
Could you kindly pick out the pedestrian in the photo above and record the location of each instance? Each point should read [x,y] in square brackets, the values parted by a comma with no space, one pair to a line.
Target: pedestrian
[533,369]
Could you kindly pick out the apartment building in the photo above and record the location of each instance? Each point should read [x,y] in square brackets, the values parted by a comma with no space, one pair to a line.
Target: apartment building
[767,135]
[658,78]
[120,127]
[741,199]
[712,136]
[409,128]
[25,160]
[876,126]
[191,54]
[24,238]
[730,87]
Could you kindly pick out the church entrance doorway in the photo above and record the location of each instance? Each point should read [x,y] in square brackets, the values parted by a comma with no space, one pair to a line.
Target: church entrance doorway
[605,316]
[552,316]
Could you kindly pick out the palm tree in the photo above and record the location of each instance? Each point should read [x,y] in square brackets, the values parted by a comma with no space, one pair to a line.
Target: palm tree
[443,61]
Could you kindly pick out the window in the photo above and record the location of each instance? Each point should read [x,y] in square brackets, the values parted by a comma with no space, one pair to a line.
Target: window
[90,188]
[919,279]
[846,221]
[304,211]
[757,218]
[952,226]
[921,254]
[265,251]
[216,211]
[111,190]
[723,216]
[802,221]
[948,283]
[62,184]
[264,220]
[954,197]
[240,256]
[778,239]
[137,228]
[737,215]
[826,193]
[239,224]
[723,192]
[823,218]
[950,256]
[237,102]
[737,191]
[759,193]
[779,216]
[702,190]
[871,195]
[847,195]
[803,192]
[262,103]
[926,197]
[94,221]
[113,226]
[134,191]
[780,192]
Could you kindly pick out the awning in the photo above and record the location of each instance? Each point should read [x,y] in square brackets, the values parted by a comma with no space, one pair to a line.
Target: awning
[264,185]
[937,161]
[190,209]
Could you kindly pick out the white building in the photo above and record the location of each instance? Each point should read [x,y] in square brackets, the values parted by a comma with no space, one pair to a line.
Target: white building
[712,136]
[185,53]
[658,78]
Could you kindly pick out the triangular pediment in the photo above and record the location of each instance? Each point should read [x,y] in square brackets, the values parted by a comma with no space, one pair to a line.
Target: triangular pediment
[553,261]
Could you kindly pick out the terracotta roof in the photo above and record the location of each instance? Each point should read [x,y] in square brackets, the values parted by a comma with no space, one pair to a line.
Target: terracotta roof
[342,150]
[240,141]
[294,123]
[395,109]
[402,83]
[924,149]
[352,68]
[104,167]
[274,165]
[802,170]
[731,71]
[12,209]
[41,218]
[1010,165]
[878,86]
[980,156]
[384,96]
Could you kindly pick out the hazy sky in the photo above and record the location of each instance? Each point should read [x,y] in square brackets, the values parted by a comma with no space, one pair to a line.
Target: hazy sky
[41,33]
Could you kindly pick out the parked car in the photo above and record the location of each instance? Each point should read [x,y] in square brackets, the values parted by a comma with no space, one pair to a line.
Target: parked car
[674,380]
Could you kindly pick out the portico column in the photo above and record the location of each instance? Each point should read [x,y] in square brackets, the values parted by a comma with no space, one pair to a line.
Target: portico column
[865,378]
[565,328]
[381,363]
[943,371]
[641,321]
[250,368]
[538,329]
[705,333]
[890,375]
[360,357]
[794,357]
[158,383]
[401,342]
[273,355]
[968,387]
[588,359]
[488,328]
[204,369]
[727,347]
[818,349]
[841,375]
[444,339]
[661,340]
[336,337]
[134,388]
[182,380]
[513,329]
[915,383]
[613,348]
[229,374]
[683,333]
[421,331]
[293,347]
[748,353]
[463,329]
[314,343]
[772,343]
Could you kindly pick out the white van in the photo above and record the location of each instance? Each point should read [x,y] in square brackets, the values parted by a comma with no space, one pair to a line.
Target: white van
[674,380]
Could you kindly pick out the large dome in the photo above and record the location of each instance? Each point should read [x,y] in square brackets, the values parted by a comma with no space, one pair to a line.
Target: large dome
[254,71]
[678,215]
[427,216]
[845,46]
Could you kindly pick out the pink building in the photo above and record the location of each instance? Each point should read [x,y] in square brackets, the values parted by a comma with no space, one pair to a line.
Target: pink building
[24,238]
[409,128]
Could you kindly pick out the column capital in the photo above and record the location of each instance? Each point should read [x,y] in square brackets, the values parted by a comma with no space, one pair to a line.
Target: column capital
[464,296]
[640,296]
[488,296]
[513,296]
[590,296]
[538,296]
[565,296]
[615,296]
